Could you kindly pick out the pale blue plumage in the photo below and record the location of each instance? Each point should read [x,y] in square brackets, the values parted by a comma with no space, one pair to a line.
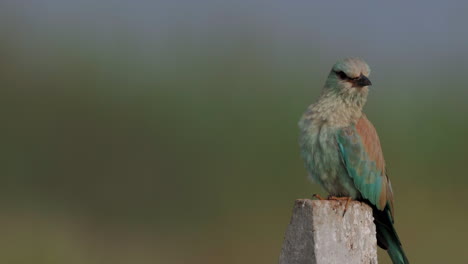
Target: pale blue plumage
[325,164]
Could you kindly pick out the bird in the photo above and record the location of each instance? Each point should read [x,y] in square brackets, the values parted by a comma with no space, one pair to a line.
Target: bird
[342,152]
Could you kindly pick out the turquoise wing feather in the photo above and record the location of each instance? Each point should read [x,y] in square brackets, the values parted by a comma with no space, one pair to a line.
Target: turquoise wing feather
[364,165]
[362,156]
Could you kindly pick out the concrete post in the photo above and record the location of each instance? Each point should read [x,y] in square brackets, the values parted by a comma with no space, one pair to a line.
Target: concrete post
[319,234]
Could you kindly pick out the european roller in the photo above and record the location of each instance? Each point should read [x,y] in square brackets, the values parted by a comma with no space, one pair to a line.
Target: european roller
[342,151]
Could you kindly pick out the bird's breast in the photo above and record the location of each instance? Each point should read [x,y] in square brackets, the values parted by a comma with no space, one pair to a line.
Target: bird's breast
[323,160]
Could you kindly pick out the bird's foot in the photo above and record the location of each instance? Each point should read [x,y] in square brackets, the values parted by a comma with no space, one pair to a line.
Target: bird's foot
[348,199]
[317,196]
[331,197]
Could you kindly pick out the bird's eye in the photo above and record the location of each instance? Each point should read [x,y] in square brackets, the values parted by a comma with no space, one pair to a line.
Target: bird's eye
[342,75]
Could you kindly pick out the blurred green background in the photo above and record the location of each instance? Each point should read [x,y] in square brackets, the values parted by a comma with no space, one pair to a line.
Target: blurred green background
[166,131]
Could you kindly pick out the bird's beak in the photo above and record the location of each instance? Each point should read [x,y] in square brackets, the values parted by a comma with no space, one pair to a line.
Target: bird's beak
[363,81]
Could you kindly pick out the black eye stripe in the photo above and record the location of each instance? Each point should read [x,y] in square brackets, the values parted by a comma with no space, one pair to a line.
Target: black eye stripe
[343,76]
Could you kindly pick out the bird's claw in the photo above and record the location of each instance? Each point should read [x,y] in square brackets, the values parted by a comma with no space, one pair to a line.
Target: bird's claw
[331,197]
[346,205]
[348,199]
[317,196]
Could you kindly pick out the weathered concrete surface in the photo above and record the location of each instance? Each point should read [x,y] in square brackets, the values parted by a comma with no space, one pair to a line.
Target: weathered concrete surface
[319,234]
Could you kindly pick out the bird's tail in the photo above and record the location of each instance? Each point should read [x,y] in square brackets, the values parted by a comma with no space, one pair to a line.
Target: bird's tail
[387,237]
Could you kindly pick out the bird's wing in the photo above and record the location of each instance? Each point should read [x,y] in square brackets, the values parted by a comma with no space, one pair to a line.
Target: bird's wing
[362,156]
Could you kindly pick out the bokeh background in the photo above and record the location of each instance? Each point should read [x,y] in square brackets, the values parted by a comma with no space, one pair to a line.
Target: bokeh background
[166,131]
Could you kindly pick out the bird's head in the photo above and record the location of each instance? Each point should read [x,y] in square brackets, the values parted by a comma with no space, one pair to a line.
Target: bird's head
[349,77]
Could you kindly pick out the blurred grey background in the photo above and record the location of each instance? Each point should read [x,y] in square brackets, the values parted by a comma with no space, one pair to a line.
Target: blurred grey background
[166,131]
